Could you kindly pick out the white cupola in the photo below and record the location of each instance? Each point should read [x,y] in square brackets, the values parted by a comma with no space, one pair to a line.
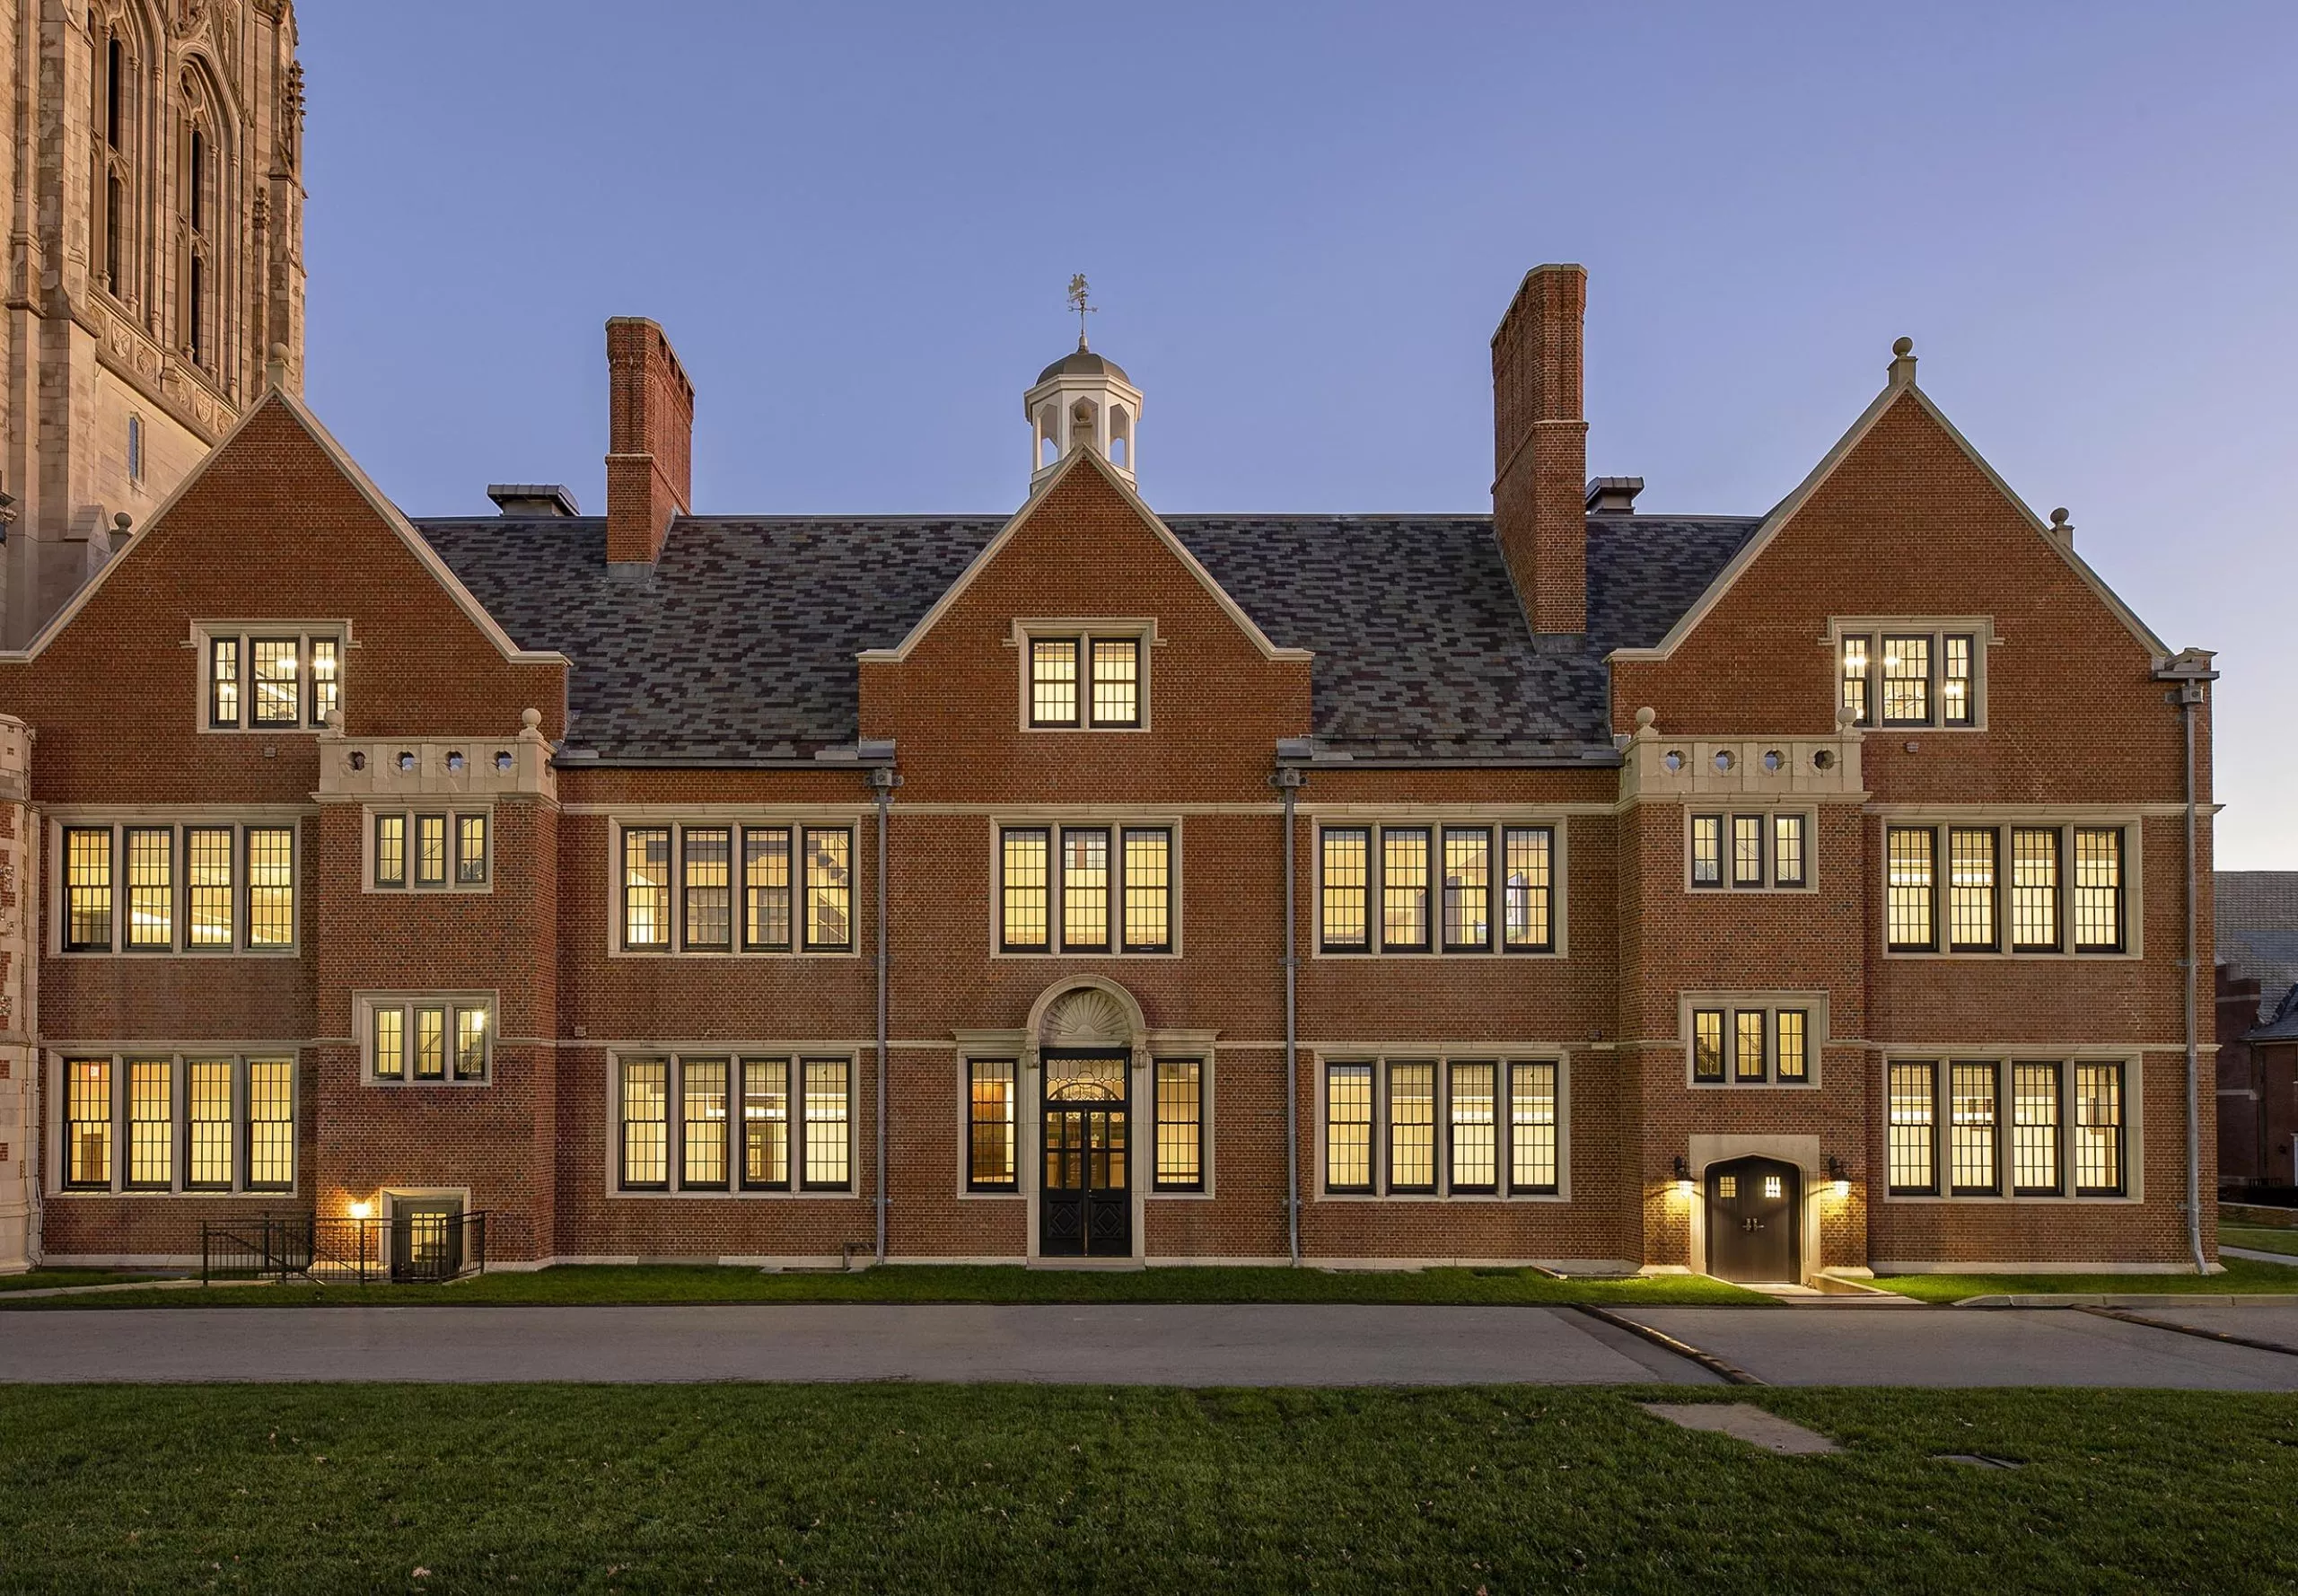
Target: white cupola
[1081,402]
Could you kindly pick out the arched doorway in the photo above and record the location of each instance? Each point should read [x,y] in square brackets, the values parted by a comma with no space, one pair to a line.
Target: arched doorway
[1085,1037]
[1755,1209]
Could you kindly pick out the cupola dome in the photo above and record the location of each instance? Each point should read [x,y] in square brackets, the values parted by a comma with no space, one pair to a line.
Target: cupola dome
[1083,400]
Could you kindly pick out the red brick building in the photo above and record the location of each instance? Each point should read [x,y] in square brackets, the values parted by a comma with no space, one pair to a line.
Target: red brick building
[1768,893]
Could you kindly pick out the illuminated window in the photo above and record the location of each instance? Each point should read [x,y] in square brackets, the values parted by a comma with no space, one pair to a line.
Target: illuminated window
[223,681]
[1747,850]
[1971,1127]
[388,1042]
[1532,1127]
[692,868]
[430,850]
[1907,681]
[272,682]
[470,1043]
[179,1124]
[1970,888]
[271,886]
[1749,1046]
[470,850]
[1412,1128]
[277,681]
[87,1123]
[1913,1149]
[1180,1124]
[430,1043]
[1957,704]
[167,908]
[1097,867]
[2043,893]
[1404,889]
[1440,1127]
[1026,886]
[1527,855]
[87,890]
[990,1154]
[1855,680]
[705,885]
[830,890]
[390,850]
[271,1124]
[2097,1130]
[646,1123]
[646,886]
[2034,889]
[210,1142]
[2034,1129]
[1148,889]
[1347,868]
[1793,1026]
[151,886]
[1053,682]
[431,1038]
[1084,889]
[1468,888]
[2098,913]
[1708,1045]
[209,860]
[1108,696]
[1912,854]
[1345,876]
[327,678]
[702,1135]
[1790,867]
[766,889]
[1471,1093]
[434,852]
[1707,850]
[150,1124]
[1762,851]
[826,1109]
[1117,681]
[1911,679]
[766,1124]
[1348,1127]
[1749,1056]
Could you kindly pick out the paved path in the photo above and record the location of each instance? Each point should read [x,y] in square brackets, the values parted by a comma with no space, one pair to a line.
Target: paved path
[1304,1346]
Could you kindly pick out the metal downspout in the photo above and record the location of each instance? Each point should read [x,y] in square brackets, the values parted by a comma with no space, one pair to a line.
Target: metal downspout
[882,781]
[1289,782]
[2190,696]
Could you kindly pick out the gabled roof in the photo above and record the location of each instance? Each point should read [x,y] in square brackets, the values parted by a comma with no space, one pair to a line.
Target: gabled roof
[2284,1026]
[740,644]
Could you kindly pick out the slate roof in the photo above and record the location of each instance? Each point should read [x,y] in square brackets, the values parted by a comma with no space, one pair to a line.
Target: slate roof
[2284,1026]
[738,644]
[2258,930]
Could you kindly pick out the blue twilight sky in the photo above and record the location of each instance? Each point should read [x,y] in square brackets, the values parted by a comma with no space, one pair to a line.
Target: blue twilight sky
[856,222]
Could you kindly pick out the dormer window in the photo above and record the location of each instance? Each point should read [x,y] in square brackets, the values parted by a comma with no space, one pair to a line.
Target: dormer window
[1085,681]
[269,679]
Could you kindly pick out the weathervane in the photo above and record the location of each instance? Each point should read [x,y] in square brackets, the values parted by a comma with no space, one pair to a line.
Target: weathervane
[1077,304]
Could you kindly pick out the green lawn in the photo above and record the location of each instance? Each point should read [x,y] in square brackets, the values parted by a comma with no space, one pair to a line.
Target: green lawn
[938,1282]
[2258,1239]
[1505,1489]
[42,1279]
[2242,1276]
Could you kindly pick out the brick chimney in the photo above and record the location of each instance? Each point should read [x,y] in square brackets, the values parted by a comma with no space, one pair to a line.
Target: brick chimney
[1541,449]
[650,446]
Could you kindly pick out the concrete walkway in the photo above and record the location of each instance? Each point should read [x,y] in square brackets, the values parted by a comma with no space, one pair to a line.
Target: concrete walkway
[1196,1345]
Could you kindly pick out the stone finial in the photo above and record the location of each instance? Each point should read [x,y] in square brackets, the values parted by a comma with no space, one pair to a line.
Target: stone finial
[1845,718]
[2061,528]
[531,723]
[275,367]
[123,523]
[1902,367]
[1644,718]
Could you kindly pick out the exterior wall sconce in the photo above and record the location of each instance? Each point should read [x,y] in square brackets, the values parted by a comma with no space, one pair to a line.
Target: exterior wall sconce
[1838,1178]
[1683,1176]
[362,1209]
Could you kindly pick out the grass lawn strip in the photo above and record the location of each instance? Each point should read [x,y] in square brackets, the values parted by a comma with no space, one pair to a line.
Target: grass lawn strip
[2242,1277]
[659,1489]
[53,1279]
[659,1285]
[2258,1239]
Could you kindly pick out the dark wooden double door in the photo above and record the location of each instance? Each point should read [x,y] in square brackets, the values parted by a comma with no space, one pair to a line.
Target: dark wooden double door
[1085,1199]
[1754,1221]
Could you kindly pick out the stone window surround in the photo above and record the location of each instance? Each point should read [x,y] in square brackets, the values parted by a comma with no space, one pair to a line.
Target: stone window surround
[455,813]
[1029,1126]
[364,1004]
[1435,821]
[1143,628]
[1811,1003]
[1380,1055]
[53,1163]
[1979,628]
[733,1053]
[676,818]
[2001,818]
[2132,1061]
[256,816]
[337,630]
[1053,818]
[1766,808]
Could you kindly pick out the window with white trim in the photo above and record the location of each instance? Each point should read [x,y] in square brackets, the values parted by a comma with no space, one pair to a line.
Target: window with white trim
[734,887]
[1752,1043]
[443,850]
[1996,887]
[2018,1127]
[1434,1126]
[736,1121]
[1768,851]
[265,679]
[426,1038]
[1910,676]
[1096,889]
[199,886]
[177,1122]
[1436,887]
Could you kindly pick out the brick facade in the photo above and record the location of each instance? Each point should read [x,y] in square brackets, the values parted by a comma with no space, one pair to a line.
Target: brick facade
[1734,710]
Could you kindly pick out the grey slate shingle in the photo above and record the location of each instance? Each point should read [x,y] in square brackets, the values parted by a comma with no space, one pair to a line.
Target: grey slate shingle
[740,642]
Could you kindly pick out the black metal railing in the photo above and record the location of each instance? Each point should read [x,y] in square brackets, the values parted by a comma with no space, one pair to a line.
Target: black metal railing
[422,1244]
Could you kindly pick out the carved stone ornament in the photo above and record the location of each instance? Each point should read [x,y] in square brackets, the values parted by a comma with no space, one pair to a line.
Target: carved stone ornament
[1087,1018]
[189,14]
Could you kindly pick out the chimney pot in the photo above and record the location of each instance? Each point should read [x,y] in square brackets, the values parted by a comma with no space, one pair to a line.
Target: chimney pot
[1541,449]
[650,446]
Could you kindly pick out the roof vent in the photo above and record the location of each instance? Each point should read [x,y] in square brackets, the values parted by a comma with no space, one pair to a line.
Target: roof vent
[532,498]
[1613,495]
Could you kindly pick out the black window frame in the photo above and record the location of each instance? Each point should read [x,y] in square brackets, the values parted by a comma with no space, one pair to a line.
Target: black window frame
[1939,642]
[796,1123]
[1436,894]
[1087,678]
[1443,1148]
[310,713]
[1118,888]
[796,891]
[1009,1183]
[116,943]
[1161,1122]
[454,860]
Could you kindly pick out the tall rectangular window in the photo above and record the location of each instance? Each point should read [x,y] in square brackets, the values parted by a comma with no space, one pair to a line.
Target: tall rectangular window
[1532,1127]
[212,909]
[1412,1128]
[1148,890]
[1346,882]
[766,888]
[1790,863]
[702,1124]
[707,883]
[1794,1060]
[1117,681]
[1708,1045]
[470,1043]
[87,1123]
[1468,888]
[2034,889]
[1053,682]
[990,1161]
[470,850]
[1970,888]
[826,1157]
[278,681]
[151,886]
[1471,1093]
[271,1124]
[646,886]
[1749,1062]
[151,1123]
[1957,700]
[1180,1124]
[1912,863]
[1971,1128]
[430,850]
[327,678]
[766,1124]
[1528,856]
[1026,890]
[388,1041]
[1907,681]
[1855,680]
[830,890]
[1747,850]
[2098,911]
[271,887]
[208,1141]
[2097,1130]
[390,850]
[1404,889]
[645,1122]
[1707,850]
[1348,1127]
[223,681]
[87,890]
[1084,889]
[431,1043]
[1913,1146]
[2034,1129]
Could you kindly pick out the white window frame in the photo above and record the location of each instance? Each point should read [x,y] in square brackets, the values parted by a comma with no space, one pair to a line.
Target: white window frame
[2003,1057]
[1811,1004]
[180,946]
[177,1054]
[1083,629]
[305,632]
[1501,1058]
[454,813]
[798,1055]
[364,1005]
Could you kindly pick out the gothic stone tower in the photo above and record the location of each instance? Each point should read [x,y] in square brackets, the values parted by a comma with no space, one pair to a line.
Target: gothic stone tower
[155,214]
